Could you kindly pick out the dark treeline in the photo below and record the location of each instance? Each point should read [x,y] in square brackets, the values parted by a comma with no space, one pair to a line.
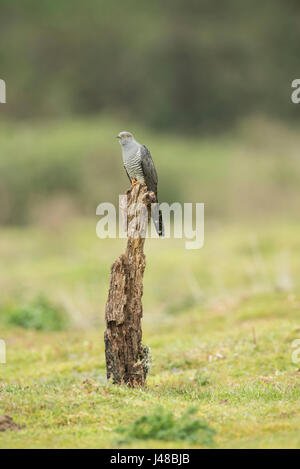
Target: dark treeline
[172,64]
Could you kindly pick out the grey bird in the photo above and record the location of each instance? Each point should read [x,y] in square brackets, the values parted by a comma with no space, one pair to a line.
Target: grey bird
[139,167]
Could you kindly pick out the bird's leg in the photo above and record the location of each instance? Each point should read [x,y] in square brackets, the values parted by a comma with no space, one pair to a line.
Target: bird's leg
[134,181]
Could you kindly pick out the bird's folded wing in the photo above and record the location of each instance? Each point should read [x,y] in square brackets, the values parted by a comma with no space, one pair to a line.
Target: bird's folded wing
[149,170]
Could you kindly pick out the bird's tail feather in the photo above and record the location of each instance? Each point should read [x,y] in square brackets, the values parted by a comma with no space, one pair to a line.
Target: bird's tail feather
[156,215]
[161,229]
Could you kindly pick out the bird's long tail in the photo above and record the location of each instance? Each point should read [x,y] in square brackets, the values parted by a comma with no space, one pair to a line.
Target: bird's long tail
[156,215]
[161,229]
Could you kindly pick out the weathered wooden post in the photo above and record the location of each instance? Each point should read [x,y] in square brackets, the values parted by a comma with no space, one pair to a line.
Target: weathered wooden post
[127,360]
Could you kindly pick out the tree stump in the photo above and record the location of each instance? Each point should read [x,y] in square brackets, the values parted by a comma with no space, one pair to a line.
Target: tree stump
[127,360]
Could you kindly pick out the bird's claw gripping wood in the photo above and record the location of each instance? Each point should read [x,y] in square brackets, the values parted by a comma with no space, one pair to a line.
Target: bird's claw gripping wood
[134,182]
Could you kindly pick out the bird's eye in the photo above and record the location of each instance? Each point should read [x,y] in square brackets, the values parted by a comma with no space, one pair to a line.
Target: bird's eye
[122,136]
[128,136]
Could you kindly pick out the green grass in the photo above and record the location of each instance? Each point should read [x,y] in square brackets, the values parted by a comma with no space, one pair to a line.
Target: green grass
[227,350]
[161,425]
[39,314]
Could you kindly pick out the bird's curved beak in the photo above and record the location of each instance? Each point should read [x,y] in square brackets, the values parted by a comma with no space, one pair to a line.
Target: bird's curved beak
[117,136]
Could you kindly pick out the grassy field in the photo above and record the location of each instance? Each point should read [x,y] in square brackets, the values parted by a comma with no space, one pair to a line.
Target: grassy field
[220,323]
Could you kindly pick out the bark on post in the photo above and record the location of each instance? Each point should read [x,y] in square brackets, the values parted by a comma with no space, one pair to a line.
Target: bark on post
[127,360]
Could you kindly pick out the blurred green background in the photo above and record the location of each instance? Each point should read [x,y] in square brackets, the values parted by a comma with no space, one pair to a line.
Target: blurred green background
[206,85]
[173,65]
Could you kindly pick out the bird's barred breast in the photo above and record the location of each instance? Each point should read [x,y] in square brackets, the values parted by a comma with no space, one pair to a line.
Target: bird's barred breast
[134,167]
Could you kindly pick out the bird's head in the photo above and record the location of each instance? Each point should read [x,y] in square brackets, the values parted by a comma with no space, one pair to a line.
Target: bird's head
[125,138]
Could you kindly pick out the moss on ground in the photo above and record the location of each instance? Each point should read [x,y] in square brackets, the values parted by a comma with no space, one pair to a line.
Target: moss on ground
[228,352]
